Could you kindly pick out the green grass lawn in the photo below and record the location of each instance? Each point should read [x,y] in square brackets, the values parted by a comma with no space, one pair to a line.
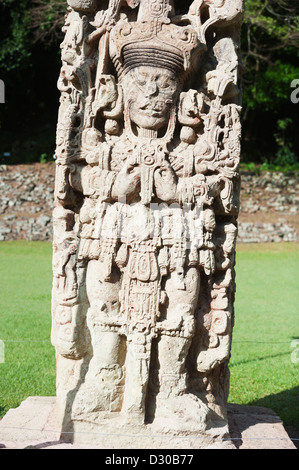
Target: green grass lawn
[266,322]
[25,322]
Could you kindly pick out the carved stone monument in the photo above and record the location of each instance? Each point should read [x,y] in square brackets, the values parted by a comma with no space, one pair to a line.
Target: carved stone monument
[145,219]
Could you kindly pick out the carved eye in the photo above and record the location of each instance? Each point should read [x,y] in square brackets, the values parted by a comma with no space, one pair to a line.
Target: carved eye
[165,82]
[141,78]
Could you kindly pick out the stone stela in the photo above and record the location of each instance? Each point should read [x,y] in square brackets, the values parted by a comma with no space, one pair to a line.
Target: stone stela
[145,219]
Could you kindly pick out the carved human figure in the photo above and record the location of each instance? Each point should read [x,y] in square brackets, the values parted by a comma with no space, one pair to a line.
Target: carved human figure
[149,167]
[150,96]
[64,257]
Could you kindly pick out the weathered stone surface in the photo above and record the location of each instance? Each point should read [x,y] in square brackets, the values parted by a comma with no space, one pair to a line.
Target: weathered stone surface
[257,428]
[145,219]
[32,426]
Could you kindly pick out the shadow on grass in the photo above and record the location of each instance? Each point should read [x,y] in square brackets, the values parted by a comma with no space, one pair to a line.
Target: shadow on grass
[255,359]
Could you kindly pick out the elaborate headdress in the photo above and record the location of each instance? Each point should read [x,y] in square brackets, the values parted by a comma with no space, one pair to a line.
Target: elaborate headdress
[153,42]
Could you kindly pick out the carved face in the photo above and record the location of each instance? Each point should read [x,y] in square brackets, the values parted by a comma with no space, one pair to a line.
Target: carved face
[150,94]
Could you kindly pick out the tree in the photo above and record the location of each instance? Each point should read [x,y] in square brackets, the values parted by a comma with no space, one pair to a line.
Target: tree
[29,67]
[270,52]
[30,34]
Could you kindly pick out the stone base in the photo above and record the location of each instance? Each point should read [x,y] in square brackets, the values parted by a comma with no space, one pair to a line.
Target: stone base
[32,425]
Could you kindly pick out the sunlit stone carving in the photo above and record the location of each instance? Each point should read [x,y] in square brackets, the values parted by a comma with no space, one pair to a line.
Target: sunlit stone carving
[145,218]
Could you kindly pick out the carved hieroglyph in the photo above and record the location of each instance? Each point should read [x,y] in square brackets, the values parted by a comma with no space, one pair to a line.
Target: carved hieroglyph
[145,218]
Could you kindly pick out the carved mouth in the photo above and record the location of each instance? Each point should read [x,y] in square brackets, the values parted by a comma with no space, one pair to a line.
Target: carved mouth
[150,111]
[155,113]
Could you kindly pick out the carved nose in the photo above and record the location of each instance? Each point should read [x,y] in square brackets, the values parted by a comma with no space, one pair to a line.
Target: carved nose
[151,89]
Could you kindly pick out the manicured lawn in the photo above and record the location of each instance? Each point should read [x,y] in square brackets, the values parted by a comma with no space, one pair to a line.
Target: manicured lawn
[266,323]
[263,370]
[25,322]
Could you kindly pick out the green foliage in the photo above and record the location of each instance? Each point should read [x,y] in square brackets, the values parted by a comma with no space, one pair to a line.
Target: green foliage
[258,168]
[45,158]
[14,34]
[270,36]
[285,159]
[270,86]
[28,67]
[284,156]
[47,19]
[30,34]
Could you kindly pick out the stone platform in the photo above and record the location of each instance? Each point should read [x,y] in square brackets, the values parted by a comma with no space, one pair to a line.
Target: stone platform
[32,426]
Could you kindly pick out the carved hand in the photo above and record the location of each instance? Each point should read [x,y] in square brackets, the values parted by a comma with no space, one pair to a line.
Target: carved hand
[165,183]
[216,184]
[127,182]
